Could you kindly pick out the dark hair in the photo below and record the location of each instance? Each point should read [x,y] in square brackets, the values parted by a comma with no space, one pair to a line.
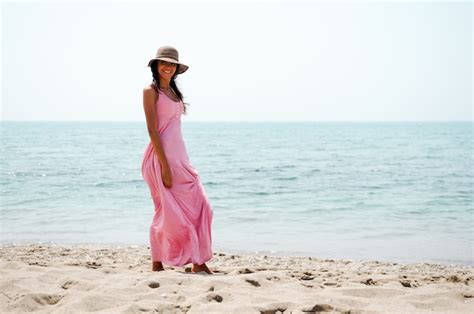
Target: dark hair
[156,82]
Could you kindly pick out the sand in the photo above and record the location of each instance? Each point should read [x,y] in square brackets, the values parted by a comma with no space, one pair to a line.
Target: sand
[107,279]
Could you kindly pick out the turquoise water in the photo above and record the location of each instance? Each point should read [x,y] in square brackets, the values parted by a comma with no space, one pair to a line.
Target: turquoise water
[388,191]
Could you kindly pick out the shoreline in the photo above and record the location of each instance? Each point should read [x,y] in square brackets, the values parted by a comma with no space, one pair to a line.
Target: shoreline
[447,262]
[117,278]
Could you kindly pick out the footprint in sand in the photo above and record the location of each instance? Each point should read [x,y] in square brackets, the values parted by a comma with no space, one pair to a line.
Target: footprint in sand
[93,265]
[34,301]
[154,284]
[307,276]
[253,282]
[409,284]
[245,271]
[369,282]
[68,284]
[214,296]
[274,310]
[330,283]
[318,308]
[453,278]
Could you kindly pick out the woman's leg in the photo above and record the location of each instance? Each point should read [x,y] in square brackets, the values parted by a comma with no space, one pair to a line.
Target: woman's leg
[203,267]
[157,266]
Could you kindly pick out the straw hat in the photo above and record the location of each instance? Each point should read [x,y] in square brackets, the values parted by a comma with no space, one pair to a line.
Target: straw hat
[170,54]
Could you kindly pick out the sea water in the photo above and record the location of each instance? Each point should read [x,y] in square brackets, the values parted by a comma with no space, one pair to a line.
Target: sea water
[388,191]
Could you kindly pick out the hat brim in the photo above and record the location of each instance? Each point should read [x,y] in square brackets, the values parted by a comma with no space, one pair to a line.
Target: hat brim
[181,68]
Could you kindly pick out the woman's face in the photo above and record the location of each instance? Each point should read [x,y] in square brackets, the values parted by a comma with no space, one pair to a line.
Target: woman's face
[166,69]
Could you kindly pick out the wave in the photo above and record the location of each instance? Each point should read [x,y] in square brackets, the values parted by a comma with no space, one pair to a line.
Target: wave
[285,178]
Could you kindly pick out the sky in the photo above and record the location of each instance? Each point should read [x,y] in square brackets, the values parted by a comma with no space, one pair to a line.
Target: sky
[248,61]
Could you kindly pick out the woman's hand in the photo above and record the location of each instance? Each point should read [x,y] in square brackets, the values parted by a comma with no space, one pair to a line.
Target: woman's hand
[166,175]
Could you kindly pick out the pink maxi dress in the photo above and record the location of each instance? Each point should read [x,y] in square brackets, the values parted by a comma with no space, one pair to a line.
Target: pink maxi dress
[181,229]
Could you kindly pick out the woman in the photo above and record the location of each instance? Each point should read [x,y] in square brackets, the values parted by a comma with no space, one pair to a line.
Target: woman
[181,229]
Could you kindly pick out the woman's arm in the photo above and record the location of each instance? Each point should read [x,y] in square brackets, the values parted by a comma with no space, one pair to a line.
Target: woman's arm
[149,100]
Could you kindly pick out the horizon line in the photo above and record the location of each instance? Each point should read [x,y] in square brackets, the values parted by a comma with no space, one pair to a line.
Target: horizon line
[252,121]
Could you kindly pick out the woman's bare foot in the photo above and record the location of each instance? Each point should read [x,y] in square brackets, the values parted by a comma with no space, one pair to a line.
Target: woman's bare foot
[197,268]
[157,266]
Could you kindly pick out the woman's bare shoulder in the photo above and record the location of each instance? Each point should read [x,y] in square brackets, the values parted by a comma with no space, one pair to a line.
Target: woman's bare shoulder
[148,88]
[150,91]
[150,95]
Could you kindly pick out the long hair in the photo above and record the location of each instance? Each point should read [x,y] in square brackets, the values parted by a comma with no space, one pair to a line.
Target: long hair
[174,87]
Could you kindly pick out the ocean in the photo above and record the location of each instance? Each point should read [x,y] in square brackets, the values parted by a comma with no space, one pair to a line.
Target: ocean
[395,191]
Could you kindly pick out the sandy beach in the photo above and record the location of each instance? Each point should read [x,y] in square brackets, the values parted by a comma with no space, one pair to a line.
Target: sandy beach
[114,279]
